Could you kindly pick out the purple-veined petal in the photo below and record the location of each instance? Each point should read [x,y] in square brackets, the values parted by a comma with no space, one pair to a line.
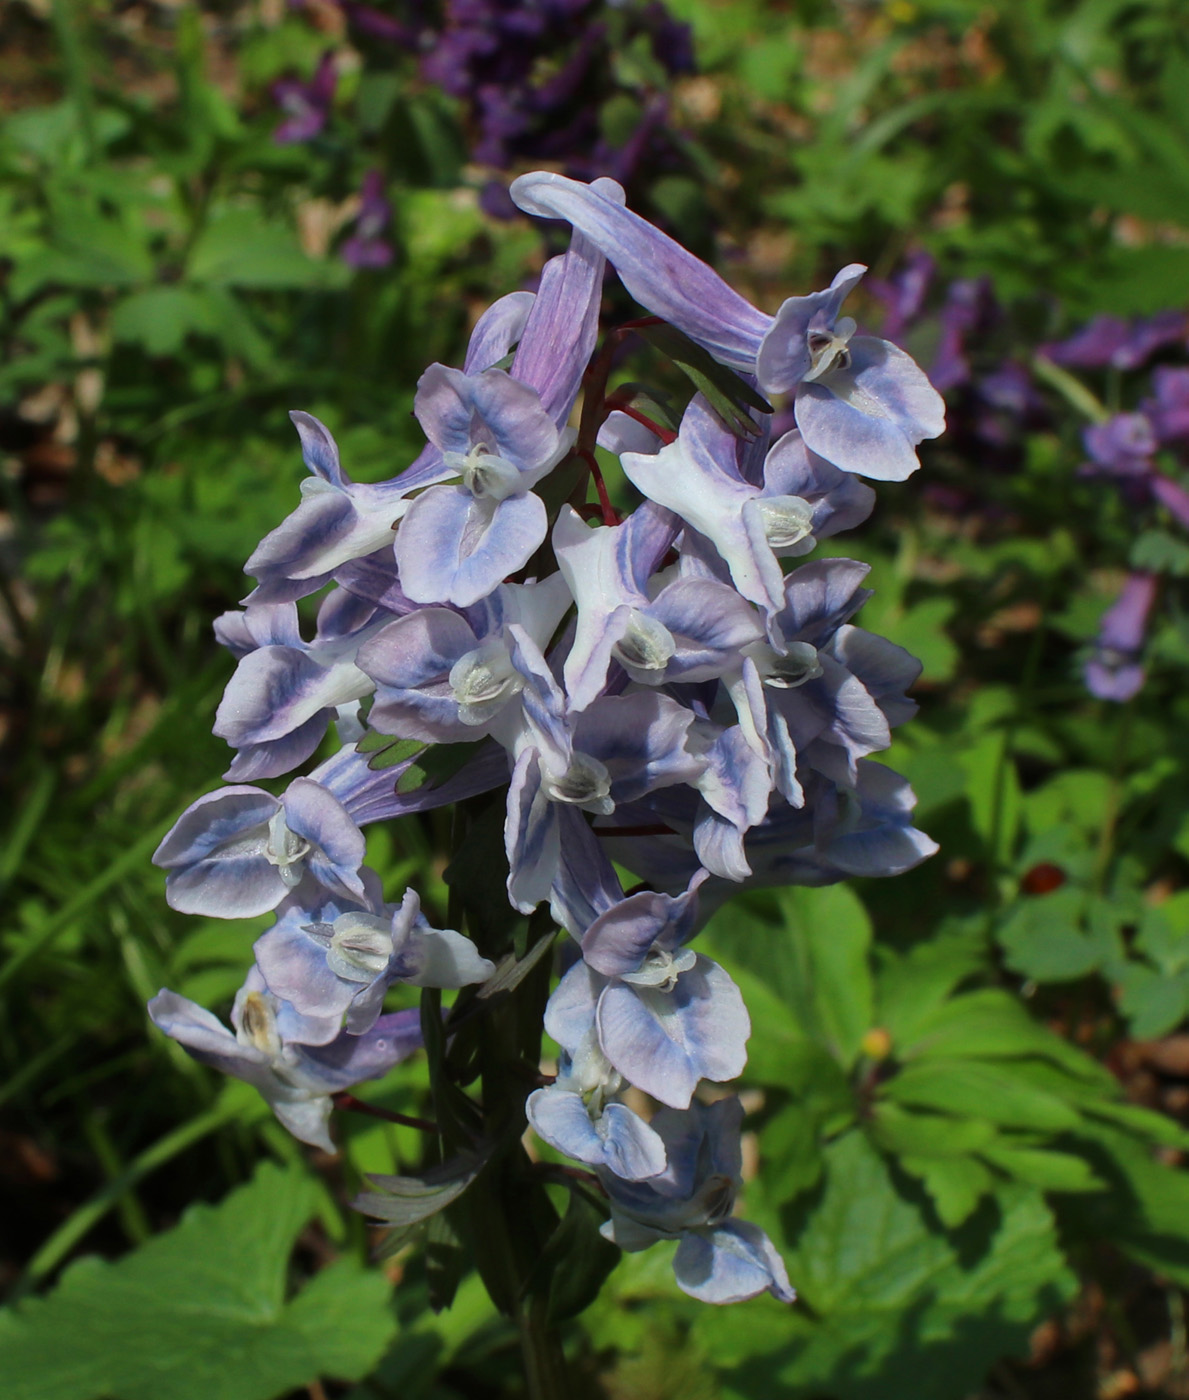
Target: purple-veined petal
[868,418]
[658,272]
[531,836]
[454,548]
[784,358]
[497,330]
[337,844]
[730,1263]
[562,330]
[617,1140]
[665,1042]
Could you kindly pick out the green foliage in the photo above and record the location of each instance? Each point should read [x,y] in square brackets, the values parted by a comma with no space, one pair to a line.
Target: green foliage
[942,1155]
[202,1310]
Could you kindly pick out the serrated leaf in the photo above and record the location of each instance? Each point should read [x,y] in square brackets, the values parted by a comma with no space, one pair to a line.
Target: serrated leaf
[1157,552]
[1145,1210]
[201,1311]
[811,947]
[900,1310]
[1045,938]
[160,318]
[1002,1095]
[1154,1002]
[991,1024]
[728,395]
[911,986]
[903,1131]
[791,1148]
[1039,1166]
[955,1185]
[238,248]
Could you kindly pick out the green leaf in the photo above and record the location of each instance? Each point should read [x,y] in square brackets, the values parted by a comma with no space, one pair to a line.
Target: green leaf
[810,946]
[955,1184]
[993,790]
[911,986]
[1038,1166]
[576,1260]
[1157,552]
[201,1311]
[160,318]
[1044,937]
[725,392]
[991,1024]
[1002,1096]
[1145,1210]
[897,1310]
[238,248]
[907,1132]
[790,1146]
[1154,1002]
[387,752]
[435,764]
[445,1260]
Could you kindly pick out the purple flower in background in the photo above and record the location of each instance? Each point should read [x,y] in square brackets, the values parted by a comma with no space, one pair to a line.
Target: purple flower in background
[367,247]
[903,294]
[1122,446]
[1111,341]
[307,105]
[1168,412]
[1113,671]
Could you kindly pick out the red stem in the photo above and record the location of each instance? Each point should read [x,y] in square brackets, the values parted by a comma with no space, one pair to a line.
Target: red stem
[610,514]
[354,1105]
[666,435]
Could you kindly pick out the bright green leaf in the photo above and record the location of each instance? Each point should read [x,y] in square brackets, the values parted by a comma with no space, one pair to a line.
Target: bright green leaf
[201,1311]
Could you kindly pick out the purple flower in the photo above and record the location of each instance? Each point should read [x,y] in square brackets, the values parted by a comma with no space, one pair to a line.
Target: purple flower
[337,957]
[1109,340]
[903,294]
[238,852]
[307,105]
[861,403]
[1122,446]
[1168,412]
[366,247]
[718,1259]
[1113,671]
[266,1050]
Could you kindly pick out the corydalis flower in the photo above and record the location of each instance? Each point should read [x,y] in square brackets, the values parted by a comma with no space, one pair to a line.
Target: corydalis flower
[861,403]
[718,1259]
[367,247]
[1114,671]
[306,105]
[266,1049]
[238,852]
[340,958]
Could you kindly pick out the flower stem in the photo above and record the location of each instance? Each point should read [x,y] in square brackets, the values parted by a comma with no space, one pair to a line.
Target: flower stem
[545,1367]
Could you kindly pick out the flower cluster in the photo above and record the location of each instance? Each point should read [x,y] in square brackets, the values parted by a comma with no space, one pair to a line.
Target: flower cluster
[995,402]
[580,84]
[653,693]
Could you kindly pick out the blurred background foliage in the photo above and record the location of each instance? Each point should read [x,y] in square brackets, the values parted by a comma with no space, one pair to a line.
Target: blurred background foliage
[969,1087]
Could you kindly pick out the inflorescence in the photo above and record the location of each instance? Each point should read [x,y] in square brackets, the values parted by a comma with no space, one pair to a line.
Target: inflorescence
[653,692]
